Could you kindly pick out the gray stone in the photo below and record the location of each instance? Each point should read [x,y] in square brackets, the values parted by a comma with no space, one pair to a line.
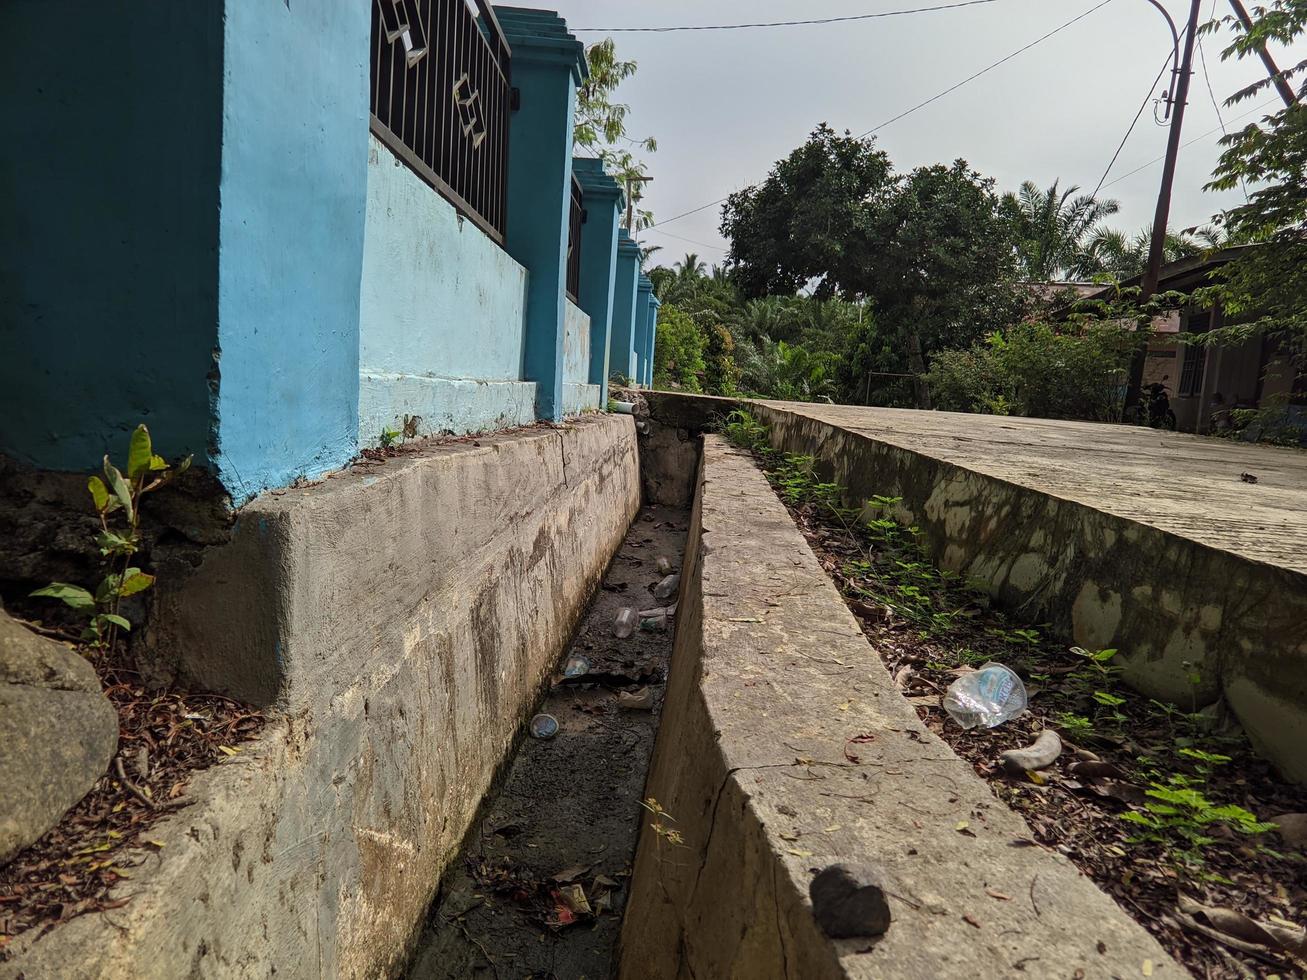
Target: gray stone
[58,733]
[848,901]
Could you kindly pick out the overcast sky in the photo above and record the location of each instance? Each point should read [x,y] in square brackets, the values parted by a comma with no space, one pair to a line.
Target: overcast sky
[725,105]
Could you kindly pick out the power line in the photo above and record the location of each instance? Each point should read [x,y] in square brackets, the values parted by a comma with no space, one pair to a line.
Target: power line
[1202,57]
[922,105]
[1196,139]
[989,68]
[1133,123]
[777,23]
[682,238]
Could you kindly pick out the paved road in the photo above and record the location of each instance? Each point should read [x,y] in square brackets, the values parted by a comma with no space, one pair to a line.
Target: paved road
[1184,484]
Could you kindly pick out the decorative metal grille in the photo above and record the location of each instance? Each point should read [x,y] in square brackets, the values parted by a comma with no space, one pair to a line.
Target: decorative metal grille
[576,218]
[441,97]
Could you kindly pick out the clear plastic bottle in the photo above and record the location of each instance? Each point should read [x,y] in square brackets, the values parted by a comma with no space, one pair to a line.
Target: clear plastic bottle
[988,696]
[667,587]
[626,622]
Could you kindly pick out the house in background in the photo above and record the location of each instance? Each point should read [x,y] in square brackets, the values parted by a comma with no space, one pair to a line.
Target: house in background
[1206,383]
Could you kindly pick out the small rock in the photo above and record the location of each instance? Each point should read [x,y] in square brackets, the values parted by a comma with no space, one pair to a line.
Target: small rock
[58,733]
[849,901]
[1292,827]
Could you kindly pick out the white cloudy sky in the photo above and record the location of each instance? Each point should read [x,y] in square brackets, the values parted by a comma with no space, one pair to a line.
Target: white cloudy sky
[724,105]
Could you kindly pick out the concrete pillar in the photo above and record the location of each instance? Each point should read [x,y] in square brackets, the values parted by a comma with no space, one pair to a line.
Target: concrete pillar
[651,332]
[644,298]
[208,287]
[603,207]
[548,65]
[621,359]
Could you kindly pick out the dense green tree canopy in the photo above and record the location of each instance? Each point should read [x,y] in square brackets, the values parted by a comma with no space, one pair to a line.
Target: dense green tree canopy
[1267,286]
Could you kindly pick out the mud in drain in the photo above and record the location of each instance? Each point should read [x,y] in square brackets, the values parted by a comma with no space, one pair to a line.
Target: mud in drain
[540,885]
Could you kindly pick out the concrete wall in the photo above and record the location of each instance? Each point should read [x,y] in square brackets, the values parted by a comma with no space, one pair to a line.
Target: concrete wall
[442,318]
[292,197]
[1174,604]
[183,232]
[770,678]
[401,619]
[578,393]
[108,226]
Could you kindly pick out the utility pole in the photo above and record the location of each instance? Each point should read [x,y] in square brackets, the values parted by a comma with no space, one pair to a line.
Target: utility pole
[1281,83]
[1163,214]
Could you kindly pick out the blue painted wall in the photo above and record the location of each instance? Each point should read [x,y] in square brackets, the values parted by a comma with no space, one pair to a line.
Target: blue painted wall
[621,354]
[603,207]
[548,64]
[183,232]
[650,339]
[108,226]
[292,198]
[644,296]
[441,304]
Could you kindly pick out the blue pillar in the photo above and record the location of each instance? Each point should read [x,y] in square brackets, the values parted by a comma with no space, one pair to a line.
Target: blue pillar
[621,359]
[548,65]
[210,291]
[603,205]
[642,350]
[651,333]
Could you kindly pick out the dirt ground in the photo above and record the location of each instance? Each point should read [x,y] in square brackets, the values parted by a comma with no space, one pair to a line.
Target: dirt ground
[558,835]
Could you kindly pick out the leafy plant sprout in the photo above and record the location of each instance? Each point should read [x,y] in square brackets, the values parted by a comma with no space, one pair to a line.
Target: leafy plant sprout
[116,493]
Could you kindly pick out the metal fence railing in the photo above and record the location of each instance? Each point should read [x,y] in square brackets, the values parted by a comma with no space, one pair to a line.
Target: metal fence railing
[575,219]
[441,96]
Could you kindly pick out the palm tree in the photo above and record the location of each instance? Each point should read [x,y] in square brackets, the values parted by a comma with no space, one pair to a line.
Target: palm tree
[1052,227]
[691,267]
[1111,252]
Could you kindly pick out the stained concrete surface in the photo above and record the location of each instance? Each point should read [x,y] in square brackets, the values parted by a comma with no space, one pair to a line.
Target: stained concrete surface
[1183,484]
[785,747]
[400,619]
[1148,542]
[567,803]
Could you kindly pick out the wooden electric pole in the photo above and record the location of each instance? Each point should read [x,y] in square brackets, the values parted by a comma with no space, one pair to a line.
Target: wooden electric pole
[1162,216]
[1281,83]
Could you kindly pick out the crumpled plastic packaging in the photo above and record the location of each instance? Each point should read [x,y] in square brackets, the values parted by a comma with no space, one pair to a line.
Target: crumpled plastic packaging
[988,696]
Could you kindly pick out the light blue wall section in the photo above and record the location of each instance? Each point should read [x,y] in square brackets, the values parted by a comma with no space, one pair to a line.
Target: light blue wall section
[621,352]
[108,226]
[603,207]
[548,64]
[651,339]
[644,296]
[578,393]
[441,304]
[293,189]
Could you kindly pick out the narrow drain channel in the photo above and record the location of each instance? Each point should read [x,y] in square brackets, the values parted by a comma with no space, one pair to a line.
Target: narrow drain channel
[567,811]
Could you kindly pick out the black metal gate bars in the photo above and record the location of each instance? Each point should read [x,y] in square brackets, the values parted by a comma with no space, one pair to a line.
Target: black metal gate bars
[441,96]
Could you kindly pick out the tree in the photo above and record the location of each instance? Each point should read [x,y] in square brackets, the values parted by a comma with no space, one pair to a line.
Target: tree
[1266,287]
[600,124]
[1037,370]
[803,225]
[678,350]
[1110,252]
[1052,228]
[928,248]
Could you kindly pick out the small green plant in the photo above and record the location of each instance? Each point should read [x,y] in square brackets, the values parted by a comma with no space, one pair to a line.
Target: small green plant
[117,541]
[744,430]
[389,437]
[1178,814]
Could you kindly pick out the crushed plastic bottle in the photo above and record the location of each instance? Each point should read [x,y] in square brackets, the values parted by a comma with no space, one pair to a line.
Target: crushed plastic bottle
[626,622]
[544,726]
[654,619]
[667,587]
[988,696]
[576,666]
